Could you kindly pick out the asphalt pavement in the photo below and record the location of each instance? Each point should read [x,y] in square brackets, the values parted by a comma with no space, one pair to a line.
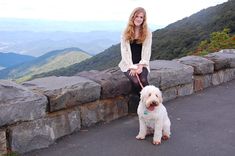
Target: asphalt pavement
[203,124]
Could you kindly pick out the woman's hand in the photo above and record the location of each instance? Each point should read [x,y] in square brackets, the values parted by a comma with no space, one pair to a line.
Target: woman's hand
[139,69]
[133,72]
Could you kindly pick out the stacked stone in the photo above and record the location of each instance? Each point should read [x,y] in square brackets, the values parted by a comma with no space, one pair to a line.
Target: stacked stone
[224,66]
[213,69]
[17,105]
[173,78]
[202,71]
[36,113]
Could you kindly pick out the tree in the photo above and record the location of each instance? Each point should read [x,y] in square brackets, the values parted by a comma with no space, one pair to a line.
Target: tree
[218,40]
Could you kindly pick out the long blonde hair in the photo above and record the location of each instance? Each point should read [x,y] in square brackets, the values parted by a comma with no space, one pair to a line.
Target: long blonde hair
[129,32]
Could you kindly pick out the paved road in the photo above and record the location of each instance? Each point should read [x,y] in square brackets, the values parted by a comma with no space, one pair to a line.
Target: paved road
[203,124]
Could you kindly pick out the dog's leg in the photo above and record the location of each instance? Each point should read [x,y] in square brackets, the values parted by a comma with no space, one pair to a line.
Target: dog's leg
[166,129]
[142,129]
[158,132]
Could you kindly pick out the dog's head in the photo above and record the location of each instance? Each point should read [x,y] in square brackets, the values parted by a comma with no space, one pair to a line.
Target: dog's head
[151,97]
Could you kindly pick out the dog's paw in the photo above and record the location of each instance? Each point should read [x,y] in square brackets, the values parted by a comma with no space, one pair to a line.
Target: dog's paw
[165,137]
[156,142]
[140,137]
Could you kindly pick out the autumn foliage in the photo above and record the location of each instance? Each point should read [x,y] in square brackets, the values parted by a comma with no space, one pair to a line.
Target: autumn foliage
[218,40]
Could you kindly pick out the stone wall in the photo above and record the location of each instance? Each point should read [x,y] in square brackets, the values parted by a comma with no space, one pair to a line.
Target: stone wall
[36,113]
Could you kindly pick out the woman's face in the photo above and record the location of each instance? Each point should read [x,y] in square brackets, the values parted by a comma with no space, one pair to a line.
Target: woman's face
[139,18]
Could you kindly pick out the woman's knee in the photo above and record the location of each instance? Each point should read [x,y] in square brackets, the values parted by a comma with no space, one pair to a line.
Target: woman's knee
[135,82]
[144,81]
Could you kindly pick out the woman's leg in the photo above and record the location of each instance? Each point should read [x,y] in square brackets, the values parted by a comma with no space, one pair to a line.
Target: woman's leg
[134,83]
[143,79]
[136,88]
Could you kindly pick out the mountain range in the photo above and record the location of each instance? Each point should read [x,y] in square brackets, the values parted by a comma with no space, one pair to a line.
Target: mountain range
[11,59]
[175,40]
[50,61]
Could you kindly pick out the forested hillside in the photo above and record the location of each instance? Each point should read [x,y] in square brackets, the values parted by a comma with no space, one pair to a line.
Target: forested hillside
[51,61]
[183,36]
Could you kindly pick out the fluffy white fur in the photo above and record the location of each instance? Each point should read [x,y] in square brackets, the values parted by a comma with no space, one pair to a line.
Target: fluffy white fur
[153,117]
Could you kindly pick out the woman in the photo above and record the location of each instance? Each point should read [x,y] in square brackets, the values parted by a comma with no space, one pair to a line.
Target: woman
[136,42]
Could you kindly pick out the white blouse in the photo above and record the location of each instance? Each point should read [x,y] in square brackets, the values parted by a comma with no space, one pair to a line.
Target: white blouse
[126,62]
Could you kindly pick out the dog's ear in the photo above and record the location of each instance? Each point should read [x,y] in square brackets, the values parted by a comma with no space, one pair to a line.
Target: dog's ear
[142,95]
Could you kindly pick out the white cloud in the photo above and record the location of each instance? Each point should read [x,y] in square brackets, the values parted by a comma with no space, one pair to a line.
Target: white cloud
[160,12]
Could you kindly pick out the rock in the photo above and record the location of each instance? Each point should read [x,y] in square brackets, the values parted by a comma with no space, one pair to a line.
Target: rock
[18,103]
[222,59]
[201,65]
[103,110]
[170,74]
[64,92]
[43,132]
[113,82]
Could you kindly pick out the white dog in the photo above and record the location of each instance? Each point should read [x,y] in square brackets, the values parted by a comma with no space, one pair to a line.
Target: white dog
[153,117]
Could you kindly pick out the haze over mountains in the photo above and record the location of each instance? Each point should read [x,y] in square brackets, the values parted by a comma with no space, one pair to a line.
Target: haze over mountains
[14,24]
[38,43]
[36,37]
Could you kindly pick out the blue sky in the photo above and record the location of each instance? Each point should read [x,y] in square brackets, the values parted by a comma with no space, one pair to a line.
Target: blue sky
[159,12]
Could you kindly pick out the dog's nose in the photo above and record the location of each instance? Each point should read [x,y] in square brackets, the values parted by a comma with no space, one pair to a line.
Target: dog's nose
[155,103]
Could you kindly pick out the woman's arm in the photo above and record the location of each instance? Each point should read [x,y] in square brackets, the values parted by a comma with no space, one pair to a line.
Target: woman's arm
[146,51]
[126,54]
